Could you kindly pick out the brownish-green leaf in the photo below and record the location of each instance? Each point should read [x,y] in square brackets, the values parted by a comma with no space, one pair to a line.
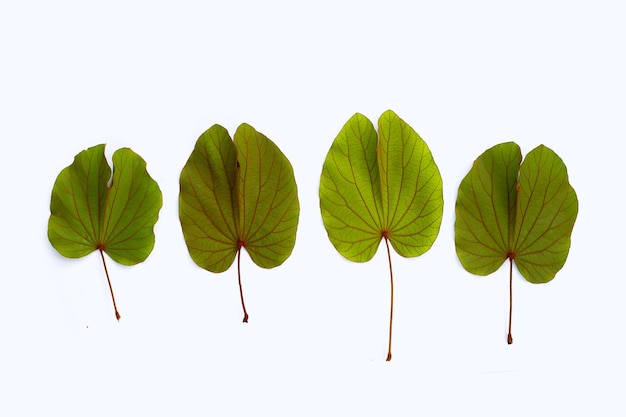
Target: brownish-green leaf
[522,213]
[235,195]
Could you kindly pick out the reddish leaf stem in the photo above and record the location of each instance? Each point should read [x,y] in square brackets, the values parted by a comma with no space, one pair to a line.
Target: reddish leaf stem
[391,305]
[243,304]
[106,271]
[509,337]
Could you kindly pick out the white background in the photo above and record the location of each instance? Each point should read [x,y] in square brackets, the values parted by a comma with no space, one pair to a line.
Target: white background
[153,77]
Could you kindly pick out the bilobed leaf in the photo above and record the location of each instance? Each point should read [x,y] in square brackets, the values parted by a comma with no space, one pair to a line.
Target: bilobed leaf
[380,185]
[115,211]
[522,213]
[238,194]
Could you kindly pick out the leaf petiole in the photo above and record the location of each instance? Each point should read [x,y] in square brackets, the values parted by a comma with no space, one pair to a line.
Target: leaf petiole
[509,337]
[243,304]
[391,304]
[106,271]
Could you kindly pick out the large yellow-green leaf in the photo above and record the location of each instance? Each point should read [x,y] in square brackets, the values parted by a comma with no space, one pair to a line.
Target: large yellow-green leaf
[380,185]
[522,213]
[94,208]
[235,195]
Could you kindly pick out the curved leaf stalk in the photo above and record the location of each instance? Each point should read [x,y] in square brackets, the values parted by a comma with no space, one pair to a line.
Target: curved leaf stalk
[391,304]
[243,304]
[509,337]
[106,271]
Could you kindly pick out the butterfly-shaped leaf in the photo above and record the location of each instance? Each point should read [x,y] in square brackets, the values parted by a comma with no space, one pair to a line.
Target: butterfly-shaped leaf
[522,213]
[238,194]
[380,185]
[94,208]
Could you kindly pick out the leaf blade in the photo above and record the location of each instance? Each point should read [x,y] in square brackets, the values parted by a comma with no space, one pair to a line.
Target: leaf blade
[267,198]
[78,195]
[350,191]
[485,208]
[547,208]
[411,187]
[207,201]
[131,210]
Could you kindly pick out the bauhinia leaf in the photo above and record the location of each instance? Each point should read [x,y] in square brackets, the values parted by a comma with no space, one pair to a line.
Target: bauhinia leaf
[380,185]
[522,213]
[92,209]
[235,195]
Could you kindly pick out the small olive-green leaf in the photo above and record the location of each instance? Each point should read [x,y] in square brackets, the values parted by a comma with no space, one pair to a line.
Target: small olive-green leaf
[238,194]
[94,209]
[115,211]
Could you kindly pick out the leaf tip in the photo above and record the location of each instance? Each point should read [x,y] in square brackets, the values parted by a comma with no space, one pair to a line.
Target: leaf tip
[388,357]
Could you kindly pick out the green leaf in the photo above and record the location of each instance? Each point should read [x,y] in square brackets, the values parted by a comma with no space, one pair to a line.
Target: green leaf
[93,208]
[522,213]
[238,194]
[377,185]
